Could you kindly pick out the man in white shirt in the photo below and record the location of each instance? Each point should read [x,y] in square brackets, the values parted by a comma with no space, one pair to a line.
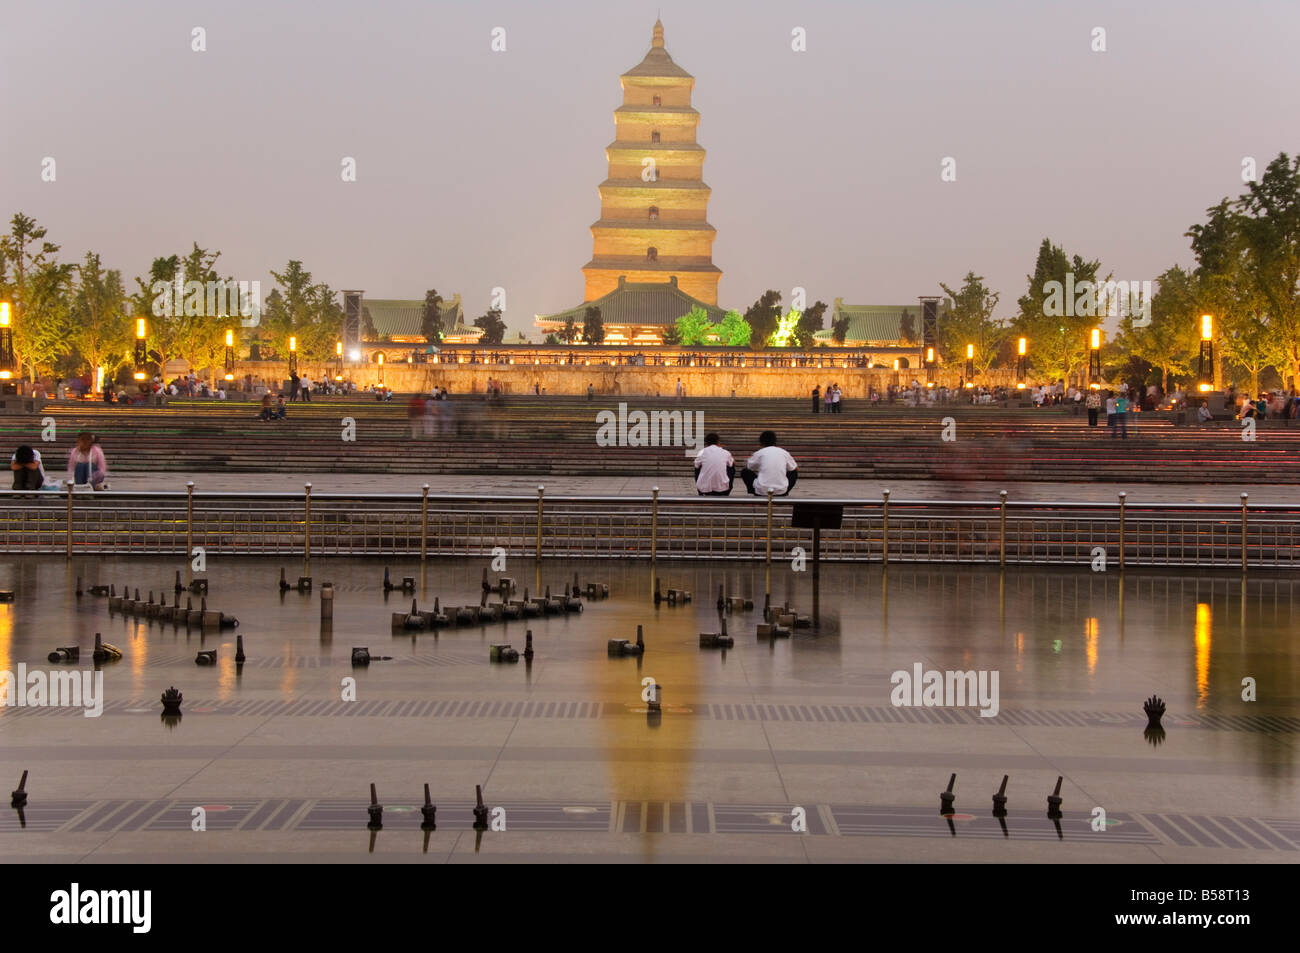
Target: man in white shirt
[771,468]
[715,468]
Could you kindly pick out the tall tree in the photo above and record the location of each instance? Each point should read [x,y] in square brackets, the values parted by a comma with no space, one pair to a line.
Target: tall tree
[431,317]
[840,329]
[694,327]
[593,326]
[1058,328]
[569,333]
[907,328]
[494,329]
[763,316]
[1168,341]
[969,320]
[26,250]
[1270,228]
[809,323]
[1227,289]
[41,337]
[733,330]
[305,310]
[100,326]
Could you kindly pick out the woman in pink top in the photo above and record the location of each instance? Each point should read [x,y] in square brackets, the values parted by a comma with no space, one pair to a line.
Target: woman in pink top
[86,463]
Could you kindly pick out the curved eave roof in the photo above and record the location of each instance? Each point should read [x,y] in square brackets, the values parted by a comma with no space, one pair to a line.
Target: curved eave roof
[658,63]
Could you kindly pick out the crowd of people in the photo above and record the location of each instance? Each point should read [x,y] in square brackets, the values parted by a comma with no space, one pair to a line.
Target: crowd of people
[87,466]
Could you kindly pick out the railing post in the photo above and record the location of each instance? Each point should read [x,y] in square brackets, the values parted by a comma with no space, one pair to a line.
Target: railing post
[654,526]
[541,490]
[884,529]
[306,530]
[424,523]
[769,530]
[1244,496]
[1002,532]
[1122,498]
[189,532]
[68,554]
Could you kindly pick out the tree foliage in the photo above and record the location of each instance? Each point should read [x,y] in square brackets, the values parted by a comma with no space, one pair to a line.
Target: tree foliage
[693,327]
[593,326]
[494,329]
[969,320]
[763,316]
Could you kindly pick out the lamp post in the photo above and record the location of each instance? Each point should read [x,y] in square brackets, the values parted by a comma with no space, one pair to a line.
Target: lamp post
[1206,369]
[338,352]
[6,350]
[379,359]
[293,355]
[141,351]
[895,372]
[929,365]
[970,362]
[1022,350]
[1094,359]
[230,355]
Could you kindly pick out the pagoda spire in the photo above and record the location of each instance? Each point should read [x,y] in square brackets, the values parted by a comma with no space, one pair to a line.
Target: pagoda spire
[658,40]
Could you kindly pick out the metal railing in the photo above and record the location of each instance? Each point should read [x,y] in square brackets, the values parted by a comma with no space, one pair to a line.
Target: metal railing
[1124,533]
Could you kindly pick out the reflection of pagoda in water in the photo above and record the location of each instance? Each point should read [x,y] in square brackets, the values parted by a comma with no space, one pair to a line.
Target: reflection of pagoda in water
[653,227]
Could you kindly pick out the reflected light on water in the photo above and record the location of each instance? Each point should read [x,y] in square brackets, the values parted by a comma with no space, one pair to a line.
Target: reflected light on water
[6,638]
[225,673]
[139,650]
[1090,643]
[1202,654]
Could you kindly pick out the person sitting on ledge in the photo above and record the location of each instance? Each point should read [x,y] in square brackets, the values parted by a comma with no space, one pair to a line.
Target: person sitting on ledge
[268,412]
[280,409]
[715,468]
[86,463]
[770,468]
[27,469]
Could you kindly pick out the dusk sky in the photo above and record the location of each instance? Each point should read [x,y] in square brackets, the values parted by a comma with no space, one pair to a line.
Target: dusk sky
[478,169]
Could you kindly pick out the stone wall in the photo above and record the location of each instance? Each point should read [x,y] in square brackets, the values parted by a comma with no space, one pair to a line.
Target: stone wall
[621,380]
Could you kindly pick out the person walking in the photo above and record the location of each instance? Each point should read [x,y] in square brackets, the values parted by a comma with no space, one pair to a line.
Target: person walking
[591,393]
[1111,422]
[294,383]
[306,388]
[1121,415]
[680,389]
[835,398]
[817,398]
[1094,407]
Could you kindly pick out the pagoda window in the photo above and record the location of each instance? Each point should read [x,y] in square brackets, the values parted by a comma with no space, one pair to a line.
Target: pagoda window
[658,101]
[652,254]
[654,214]
[654,136]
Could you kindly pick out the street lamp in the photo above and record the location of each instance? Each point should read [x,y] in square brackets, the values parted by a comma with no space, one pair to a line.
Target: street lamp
[338,352]
[1094,360]
[1022,350]
[970,361]
[379,359]
[1206,370]
[6,347]
[929,365]
[230,355]
[141,351]
[293,355]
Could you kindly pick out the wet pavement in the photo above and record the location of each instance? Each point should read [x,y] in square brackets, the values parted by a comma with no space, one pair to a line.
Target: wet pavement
[752,742]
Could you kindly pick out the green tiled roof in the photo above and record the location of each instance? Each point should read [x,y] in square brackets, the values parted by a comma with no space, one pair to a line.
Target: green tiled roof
[633,303]
[393,317]
[874,322]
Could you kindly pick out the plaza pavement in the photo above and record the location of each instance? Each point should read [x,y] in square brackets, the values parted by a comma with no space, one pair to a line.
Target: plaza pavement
[500,484]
